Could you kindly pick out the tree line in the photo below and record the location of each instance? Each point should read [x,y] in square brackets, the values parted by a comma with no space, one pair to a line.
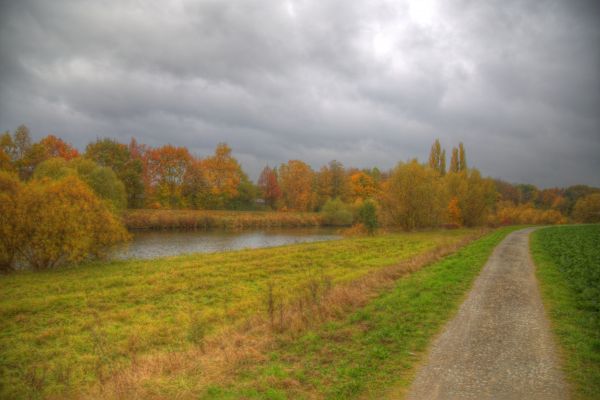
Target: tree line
[130,175]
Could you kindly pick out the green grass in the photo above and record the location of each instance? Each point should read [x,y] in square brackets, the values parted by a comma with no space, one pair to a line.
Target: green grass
[568,267]
[64,330]
[372,352]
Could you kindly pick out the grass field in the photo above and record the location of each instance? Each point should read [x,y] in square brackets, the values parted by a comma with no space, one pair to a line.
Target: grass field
[568,261]
[232,220]
[69,329]
[372,352]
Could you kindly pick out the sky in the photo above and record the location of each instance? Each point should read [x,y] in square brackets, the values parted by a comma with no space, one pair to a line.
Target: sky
[365,82]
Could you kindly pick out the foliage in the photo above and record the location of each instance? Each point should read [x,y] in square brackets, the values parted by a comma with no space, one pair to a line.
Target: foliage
[568,261]
[363,186]
[269,187]
[55,222]
[367,216]
[413,197]
[224,175]
[296,179]
[79,325]
[102,180]
[437,158]
[56,147]
[587,209]
[332,182]
[129,169]
[164,171]
[228,220]
[454,216]
[525,214]
[11,236]
[337,213]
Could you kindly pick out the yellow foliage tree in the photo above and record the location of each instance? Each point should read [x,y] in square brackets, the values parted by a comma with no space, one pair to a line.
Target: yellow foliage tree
[414,197]
[60,221]
[296,180]
[587,209]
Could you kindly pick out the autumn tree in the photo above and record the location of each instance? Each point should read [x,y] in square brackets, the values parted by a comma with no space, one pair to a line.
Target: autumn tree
[462,158]
[11,237]
[454,162]
[102,180]
[476,195]
[224,175]
[437,158]
[296,180]
[414,197]
[587,209]
[332,182]
[454,216]
[164,171]
[269,187]
[64,222]
[7,151]
[56,147]
[195,189]
[363,185]
[129,168]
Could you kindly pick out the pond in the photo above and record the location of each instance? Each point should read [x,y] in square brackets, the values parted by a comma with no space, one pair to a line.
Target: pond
[153,244]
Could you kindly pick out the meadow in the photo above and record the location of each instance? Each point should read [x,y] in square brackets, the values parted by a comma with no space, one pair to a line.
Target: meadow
[373,351]
[568,261]
[208,219]
[70,329]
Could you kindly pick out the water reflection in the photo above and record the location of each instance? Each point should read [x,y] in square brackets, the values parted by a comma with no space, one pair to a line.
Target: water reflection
[154,244]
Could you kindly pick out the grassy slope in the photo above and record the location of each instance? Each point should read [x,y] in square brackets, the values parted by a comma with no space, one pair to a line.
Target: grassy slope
[376,347]
[568,260]
[64,329]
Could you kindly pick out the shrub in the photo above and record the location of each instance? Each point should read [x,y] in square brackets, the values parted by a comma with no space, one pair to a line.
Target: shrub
[102,180]
[337,213]
[58,221]
[509,214]
[587,209]
[367,216]
[10,236]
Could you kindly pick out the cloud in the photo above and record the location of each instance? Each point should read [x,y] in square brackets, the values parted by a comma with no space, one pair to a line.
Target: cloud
[368,83]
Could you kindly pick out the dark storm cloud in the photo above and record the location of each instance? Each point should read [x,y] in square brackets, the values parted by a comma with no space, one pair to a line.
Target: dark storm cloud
[365,82]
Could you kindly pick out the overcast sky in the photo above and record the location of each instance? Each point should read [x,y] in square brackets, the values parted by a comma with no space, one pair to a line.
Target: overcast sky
[366,82]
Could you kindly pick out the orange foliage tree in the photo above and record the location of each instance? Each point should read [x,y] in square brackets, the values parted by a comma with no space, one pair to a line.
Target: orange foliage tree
[164,171]
[296,179]
[363,185]
[454,216]
[269,187]
[56,147]
[223,175]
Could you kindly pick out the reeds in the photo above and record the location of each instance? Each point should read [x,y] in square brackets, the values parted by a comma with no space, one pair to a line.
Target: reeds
[227,220]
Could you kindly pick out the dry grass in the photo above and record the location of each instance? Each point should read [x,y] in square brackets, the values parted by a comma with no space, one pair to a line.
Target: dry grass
[216,359]
[231,220]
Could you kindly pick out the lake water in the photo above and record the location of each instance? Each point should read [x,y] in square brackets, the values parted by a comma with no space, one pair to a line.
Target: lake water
[152,244]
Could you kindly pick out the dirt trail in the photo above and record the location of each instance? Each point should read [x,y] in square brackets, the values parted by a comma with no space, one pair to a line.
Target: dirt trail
[499,344]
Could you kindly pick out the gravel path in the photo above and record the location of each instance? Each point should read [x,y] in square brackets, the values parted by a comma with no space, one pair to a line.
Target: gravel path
[499,344]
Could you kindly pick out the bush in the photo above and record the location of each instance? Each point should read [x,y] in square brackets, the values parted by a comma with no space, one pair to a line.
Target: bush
[337,213]
[367,216]
[102,180]
[10,236]
[587,209]
[53,222]
[509,214]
